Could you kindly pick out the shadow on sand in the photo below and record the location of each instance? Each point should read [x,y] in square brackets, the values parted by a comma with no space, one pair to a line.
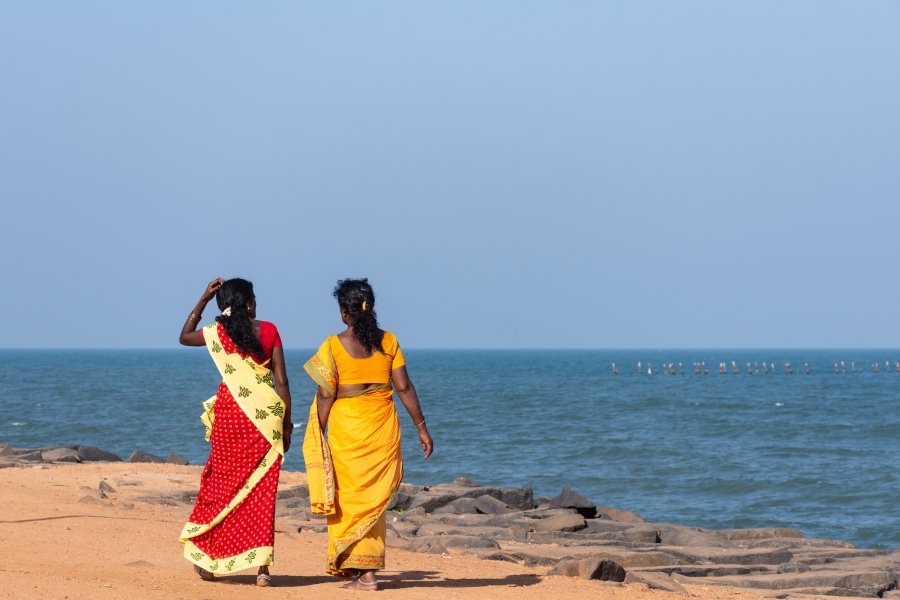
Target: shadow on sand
[392,580]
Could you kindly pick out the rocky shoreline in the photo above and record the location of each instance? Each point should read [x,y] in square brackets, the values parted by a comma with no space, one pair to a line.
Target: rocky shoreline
[570,535]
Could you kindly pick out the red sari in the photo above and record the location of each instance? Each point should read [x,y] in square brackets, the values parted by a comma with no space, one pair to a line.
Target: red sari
[245,536]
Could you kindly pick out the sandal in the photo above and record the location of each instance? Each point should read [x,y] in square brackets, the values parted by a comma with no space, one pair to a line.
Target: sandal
[263,580]
[203,573]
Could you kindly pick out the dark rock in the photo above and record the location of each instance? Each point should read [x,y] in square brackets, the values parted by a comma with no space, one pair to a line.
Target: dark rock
[402,498]
[7,450]
[542,502]
[730,556]
[436,496]
[679,535]
[488,505]
[605,526]
[502,556]
[569,498]
[567,522]
[139,456]
[796,543]
[544,513]
[106,488]
[640,534]
[403,528]
[94,454]
[415,515]
[60,455]
[458,507]
[572,538]
[792,567]
[29,456]
[622,516]
[589,568]
[655,581]
[501,533]
[608,570]
[713,570]
[758,533]
[507,520]
[859,581]
[460,541]
[175,459]
[429,546]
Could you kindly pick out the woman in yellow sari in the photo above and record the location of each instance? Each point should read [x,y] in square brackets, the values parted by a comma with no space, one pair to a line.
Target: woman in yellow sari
[354,472]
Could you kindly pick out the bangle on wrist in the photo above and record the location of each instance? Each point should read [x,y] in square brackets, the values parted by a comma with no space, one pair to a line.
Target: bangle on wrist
[421,423]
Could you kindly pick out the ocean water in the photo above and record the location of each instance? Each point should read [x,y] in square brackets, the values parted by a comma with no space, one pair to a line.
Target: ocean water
[819,452]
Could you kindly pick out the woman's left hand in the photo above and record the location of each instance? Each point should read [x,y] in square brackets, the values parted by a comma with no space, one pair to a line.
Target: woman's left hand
[427,442]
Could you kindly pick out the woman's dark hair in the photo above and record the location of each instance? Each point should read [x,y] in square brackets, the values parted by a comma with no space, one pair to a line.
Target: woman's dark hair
[236,294]
[356,298]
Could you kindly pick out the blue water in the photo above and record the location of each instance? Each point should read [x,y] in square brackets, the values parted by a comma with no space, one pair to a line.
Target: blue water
[818,452]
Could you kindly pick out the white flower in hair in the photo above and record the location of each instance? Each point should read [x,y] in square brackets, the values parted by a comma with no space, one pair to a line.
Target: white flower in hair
[226,312]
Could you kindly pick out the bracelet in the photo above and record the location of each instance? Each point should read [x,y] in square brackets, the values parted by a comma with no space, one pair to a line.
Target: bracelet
[193,317]
[422,423]
[288,425]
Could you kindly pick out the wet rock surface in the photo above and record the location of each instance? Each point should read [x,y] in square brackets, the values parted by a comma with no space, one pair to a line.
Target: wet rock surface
[11,456]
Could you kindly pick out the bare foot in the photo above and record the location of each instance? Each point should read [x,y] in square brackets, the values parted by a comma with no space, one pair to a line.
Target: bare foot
[359,584]
[263,579]
[204,574]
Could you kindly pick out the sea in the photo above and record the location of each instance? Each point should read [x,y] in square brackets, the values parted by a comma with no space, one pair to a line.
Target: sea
[814,446]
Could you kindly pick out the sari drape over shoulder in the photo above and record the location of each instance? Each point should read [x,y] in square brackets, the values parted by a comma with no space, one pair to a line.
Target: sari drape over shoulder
[232,525]
[354,473]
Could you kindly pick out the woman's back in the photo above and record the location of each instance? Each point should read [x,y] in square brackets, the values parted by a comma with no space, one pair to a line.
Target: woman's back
[353,367]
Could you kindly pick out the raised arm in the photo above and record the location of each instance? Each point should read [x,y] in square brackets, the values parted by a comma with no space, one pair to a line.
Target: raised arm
[189,334]
[284,392]
[405,389]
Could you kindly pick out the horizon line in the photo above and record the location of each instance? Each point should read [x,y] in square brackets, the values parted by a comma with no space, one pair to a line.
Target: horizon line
[505,349]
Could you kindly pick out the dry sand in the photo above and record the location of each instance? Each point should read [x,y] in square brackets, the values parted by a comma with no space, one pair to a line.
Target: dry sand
[58,542]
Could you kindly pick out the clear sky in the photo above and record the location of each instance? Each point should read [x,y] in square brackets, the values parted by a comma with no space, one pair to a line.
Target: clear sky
[507,174]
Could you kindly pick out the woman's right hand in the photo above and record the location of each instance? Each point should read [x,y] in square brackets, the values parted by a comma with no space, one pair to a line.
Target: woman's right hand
[212,288]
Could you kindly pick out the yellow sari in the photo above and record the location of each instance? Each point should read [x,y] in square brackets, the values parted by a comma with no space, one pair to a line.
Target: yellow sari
[354,473]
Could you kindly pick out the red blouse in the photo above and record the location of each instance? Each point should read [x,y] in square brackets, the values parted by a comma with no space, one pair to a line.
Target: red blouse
[268,337]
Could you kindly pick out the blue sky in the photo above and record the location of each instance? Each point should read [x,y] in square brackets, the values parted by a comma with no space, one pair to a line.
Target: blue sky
[507,174]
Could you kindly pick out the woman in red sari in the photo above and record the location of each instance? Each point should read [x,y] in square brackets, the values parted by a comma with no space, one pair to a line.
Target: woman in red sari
[249,427]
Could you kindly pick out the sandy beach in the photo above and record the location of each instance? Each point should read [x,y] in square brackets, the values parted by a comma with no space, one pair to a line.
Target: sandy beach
[61,539]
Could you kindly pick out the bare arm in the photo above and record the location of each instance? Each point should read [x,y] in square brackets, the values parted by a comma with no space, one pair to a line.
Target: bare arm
[324,402]
[284,392]
[189,334]
[405,389]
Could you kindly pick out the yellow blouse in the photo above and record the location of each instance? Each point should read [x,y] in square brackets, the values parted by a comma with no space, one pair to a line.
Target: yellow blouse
[375,369]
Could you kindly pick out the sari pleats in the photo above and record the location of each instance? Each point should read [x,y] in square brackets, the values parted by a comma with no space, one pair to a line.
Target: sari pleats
[237,449]
[364,438]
